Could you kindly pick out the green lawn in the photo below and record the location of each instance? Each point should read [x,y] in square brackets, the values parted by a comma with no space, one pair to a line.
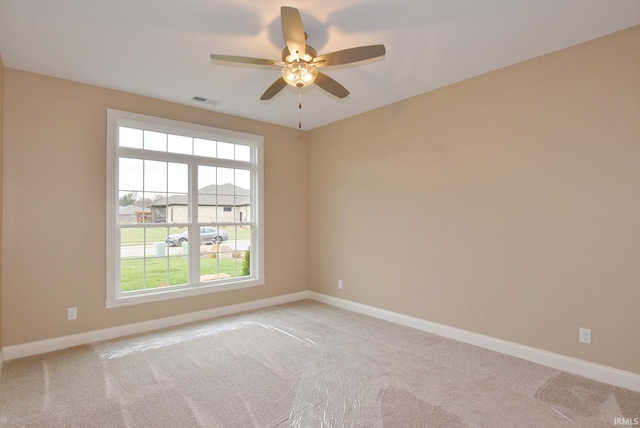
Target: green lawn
[135,236]
[165,271]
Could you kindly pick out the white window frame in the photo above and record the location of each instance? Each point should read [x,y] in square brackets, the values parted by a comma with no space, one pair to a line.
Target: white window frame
[115,119]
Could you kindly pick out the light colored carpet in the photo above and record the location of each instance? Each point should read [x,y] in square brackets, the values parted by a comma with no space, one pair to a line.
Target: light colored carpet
[298,365]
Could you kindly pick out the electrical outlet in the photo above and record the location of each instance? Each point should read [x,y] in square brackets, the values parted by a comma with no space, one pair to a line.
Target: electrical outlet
[340,284]
[585,335]
[72,313]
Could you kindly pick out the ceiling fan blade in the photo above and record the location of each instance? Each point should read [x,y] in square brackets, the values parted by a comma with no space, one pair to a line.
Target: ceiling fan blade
[243,59]
[331,86]
[347,56]
[293,30]
[272,90]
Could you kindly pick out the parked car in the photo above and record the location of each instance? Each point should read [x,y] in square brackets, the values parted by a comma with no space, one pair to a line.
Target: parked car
[208,235]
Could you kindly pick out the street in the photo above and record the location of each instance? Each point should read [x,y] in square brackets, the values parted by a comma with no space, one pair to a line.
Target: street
[153,249]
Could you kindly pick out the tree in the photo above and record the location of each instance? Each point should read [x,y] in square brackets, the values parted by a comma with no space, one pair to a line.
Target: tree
[128,199]
[153,198]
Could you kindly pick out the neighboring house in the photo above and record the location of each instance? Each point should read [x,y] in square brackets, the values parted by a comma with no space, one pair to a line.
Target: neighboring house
[133,214]
[216,203]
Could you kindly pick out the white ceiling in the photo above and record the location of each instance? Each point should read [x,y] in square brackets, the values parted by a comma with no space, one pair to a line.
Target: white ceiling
[160,48]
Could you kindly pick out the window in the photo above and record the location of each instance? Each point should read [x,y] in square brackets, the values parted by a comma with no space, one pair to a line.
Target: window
[197,192]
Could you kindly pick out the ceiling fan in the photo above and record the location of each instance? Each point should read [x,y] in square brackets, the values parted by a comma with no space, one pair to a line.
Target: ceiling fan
[300,61]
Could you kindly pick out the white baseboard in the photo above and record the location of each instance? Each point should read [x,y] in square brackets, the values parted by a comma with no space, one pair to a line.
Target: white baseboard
[57,343]
[612,376]
[576,366]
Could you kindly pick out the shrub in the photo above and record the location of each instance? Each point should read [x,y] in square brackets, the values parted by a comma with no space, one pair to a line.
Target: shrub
[246,263]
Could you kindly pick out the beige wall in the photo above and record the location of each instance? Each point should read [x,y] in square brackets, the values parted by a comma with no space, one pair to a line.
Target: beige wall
[512,203]
[1,175]
[55,162]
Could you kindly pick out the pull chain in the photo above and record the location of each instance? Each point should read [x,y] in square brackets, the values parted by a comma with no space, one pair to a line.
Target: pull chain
[300,108]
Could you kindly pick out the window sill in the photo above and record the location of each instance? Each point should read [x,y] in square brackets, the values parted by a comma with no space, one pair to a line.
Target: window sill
[179,292]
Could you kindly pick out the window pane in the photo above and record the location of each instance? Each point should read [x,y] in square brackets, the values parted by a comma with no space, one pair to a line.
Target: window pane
[155,176]
[148,261]
[226,150]
[242,210]
[207,194]
[130,175]
[127,198]
[131,274]
[166,267]
[156,271]
[229,259]
[155,141]
[243,246]
[207,176]
[243,180]
[242,196]
[178,269]
[226,202]
[225,176]
[178,177]
[130,209]
[158,210]
[132,254]
[217,262]
[204,147]
[243,153]
[180,144]
[175,237]
[129,137]
[207,210]
[171,208]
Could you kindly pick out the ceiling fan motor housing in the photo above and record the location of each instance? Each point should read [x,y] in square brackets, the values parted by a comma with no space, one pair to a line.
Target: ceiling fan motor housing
[309,55]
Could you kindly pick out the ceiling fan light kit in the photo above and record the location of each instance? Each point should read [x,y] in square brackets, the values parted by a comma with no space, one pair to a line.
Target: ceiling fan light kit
[299,74]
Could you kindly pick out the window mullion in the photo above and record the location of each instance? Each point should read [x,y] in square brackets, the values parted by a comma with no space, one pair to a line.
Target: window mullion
[194,230]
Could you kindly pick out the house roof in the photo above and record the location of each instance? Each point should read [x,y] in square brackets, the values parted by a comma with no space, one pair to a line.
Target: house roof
[213,195]
[132,209]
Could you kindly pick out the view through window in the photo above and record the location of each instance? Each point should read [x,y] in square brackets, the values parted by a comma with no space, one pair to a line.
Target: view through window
[184,207]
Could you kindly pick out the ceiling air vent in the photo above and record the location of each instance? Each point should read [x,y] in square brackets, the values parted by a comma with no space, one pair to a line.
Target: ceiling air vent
[205,100]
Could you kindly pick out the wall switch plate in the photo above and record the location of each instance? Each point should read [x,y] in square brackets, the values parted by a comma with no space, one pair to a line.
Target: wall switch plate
[585,335]
[340,284]
[72,313]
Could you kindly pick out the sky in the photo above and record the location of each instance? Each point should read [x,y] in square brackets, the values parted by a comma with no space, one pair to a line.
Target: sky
[164,178]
